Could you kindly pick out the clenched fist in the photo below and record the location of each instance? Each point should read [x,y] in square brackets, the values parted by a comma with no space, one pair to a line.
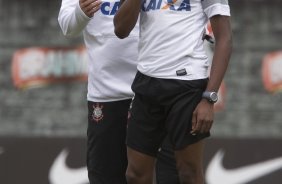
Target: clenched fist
[90,7]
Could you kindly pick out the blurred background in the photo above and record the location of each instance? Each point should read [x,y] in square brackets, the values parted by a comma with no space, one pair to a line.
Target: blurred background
[43,112]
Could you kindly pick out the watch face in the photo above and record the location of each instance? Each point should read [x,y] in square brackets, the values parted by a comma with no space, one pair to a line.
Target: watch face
[210,96]
[213,96]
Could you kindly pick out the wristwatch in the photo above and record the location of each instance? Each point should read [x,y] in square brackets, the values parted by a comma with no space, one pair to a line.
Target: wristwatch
[211,96]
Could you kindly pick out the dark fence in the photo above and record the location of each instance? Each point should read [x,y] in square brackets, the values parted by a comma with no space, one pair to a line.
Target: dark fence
[60,109]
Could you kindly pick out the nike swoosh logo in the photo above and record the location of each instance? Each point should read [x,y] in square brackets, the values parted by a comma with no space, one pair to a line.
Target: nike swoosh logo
[217,174]
[60,173]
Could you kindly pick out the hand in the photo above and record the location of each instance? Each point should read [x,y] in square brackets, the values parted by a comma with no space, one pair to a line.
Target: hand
[202,118]
[90,7]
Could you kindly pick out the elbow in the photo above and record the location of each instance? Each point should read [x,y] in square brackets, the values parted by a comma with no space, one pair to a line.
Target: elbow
[226,41]
[69,34]
[120,29]
[121,33]
[67,31]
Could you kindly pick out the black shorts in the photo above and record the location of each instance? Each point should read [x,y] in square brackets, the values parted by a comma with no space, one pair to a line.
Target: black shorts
[106,148]
[163,107]
[166,172]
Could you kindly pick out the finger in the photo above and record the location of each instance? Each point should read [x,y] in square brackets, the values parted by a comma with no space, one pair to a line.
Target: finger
[199,125]
[81,2]
[96,6]
[87,3]
[89,7]
[203,127]
[94,10]
[194,121]
[206,126]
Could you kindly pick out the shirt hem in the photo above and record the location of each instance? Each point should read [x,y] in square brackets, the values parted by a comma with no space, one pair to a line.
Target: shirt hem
[108,100]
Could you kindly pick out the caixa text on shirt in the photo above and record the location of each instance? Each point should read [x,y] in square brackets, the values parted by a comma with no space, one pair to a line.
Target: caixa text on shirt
[108,8]
[175,5]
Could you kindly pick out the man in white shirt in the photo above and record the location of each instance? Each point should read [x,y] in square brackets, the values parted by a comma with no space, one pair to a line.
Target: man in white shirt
[166,172]
[112,66]
[173,95]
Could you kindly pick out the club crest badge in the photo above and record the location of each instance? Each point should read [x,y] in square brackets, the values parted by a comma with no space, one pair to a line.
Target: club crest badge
[97,112]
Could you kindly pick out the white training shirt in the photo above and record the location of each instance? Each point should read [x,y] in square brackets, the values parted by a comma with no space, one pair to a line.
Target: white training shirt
[171,37]
[112,61]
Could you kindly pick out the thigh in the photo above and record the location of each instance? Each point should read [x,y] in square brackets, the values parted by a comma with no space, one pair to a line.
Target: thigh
[140,165]
[191,158]
[106,148]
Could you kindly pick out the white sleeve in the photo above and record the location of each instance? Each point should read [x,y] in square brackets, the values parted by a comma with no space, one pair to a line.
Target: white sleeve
[72,19]
[216,7]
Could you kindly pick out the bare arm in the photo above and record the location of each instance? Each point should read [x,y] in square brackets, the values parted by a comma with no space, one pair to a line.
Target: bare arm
[126,17]
[203,115]
[222,52]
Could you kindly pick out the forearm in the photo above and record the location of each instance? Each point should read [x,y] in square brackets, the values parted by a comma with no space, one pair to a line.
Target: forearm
[126,17]
[71,19]
[222,53]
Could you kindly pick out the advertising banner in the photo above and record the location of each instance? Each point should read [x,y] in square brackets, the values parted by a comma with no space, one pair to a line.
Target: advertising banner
[37,66]
[62,161]
[271,71]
